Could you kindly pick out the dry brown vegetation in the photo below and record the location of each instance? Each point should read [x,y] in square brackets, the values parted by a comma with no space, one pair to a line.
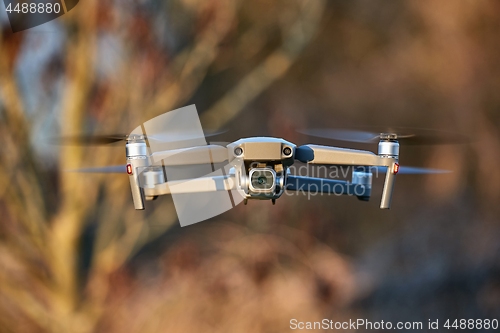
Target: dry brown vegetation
[76,257]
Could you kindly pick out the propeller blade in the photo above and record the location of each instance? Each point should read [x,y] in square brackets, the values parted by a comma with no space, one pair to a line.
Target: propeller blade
[88,139]
[106,169]
[408,170]
[96,140]
[341,134]
[406,136]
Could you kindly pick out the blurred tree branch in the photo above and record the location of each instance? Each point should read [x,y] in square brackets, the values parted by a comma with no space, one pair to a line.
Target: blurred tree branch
[297,32]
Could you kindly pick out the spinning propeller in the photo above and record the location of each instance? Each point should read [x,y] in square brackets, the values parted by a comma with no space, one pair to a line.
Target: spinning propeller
[405,136]
[106,139]
[407,170]
[401,135]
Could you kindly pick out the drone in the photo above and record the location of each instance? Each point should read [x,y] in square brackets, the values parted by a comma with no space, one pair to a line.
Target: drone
[254,168]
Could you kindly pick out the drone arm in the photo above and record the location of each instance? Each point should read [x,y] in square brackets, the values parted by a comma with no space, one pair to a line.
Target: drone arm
[314,154]
[196,185]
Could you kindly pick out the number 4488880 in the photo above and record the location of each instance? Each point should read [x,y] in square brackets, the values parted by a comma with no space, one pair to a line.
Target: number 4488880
[34,8]
[477,324]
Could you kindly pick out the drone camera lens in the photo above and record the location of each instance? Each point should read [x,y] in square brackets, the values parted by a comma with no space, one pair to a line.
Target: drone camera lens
[238,151]
[287,151]
[262,180]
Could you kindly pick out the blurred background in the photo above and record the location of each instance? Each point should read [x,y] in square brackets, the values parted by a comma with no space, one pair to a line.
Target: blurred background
[76,257]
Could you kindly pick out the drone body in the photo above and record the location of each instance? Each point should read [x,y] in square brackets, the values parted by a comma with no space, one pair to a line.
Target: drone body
[257,168]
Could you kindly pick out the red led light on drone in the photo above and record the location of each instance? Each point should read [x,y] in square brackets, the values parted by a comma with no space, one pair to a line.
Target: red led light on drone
[129,169]
[396,168]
